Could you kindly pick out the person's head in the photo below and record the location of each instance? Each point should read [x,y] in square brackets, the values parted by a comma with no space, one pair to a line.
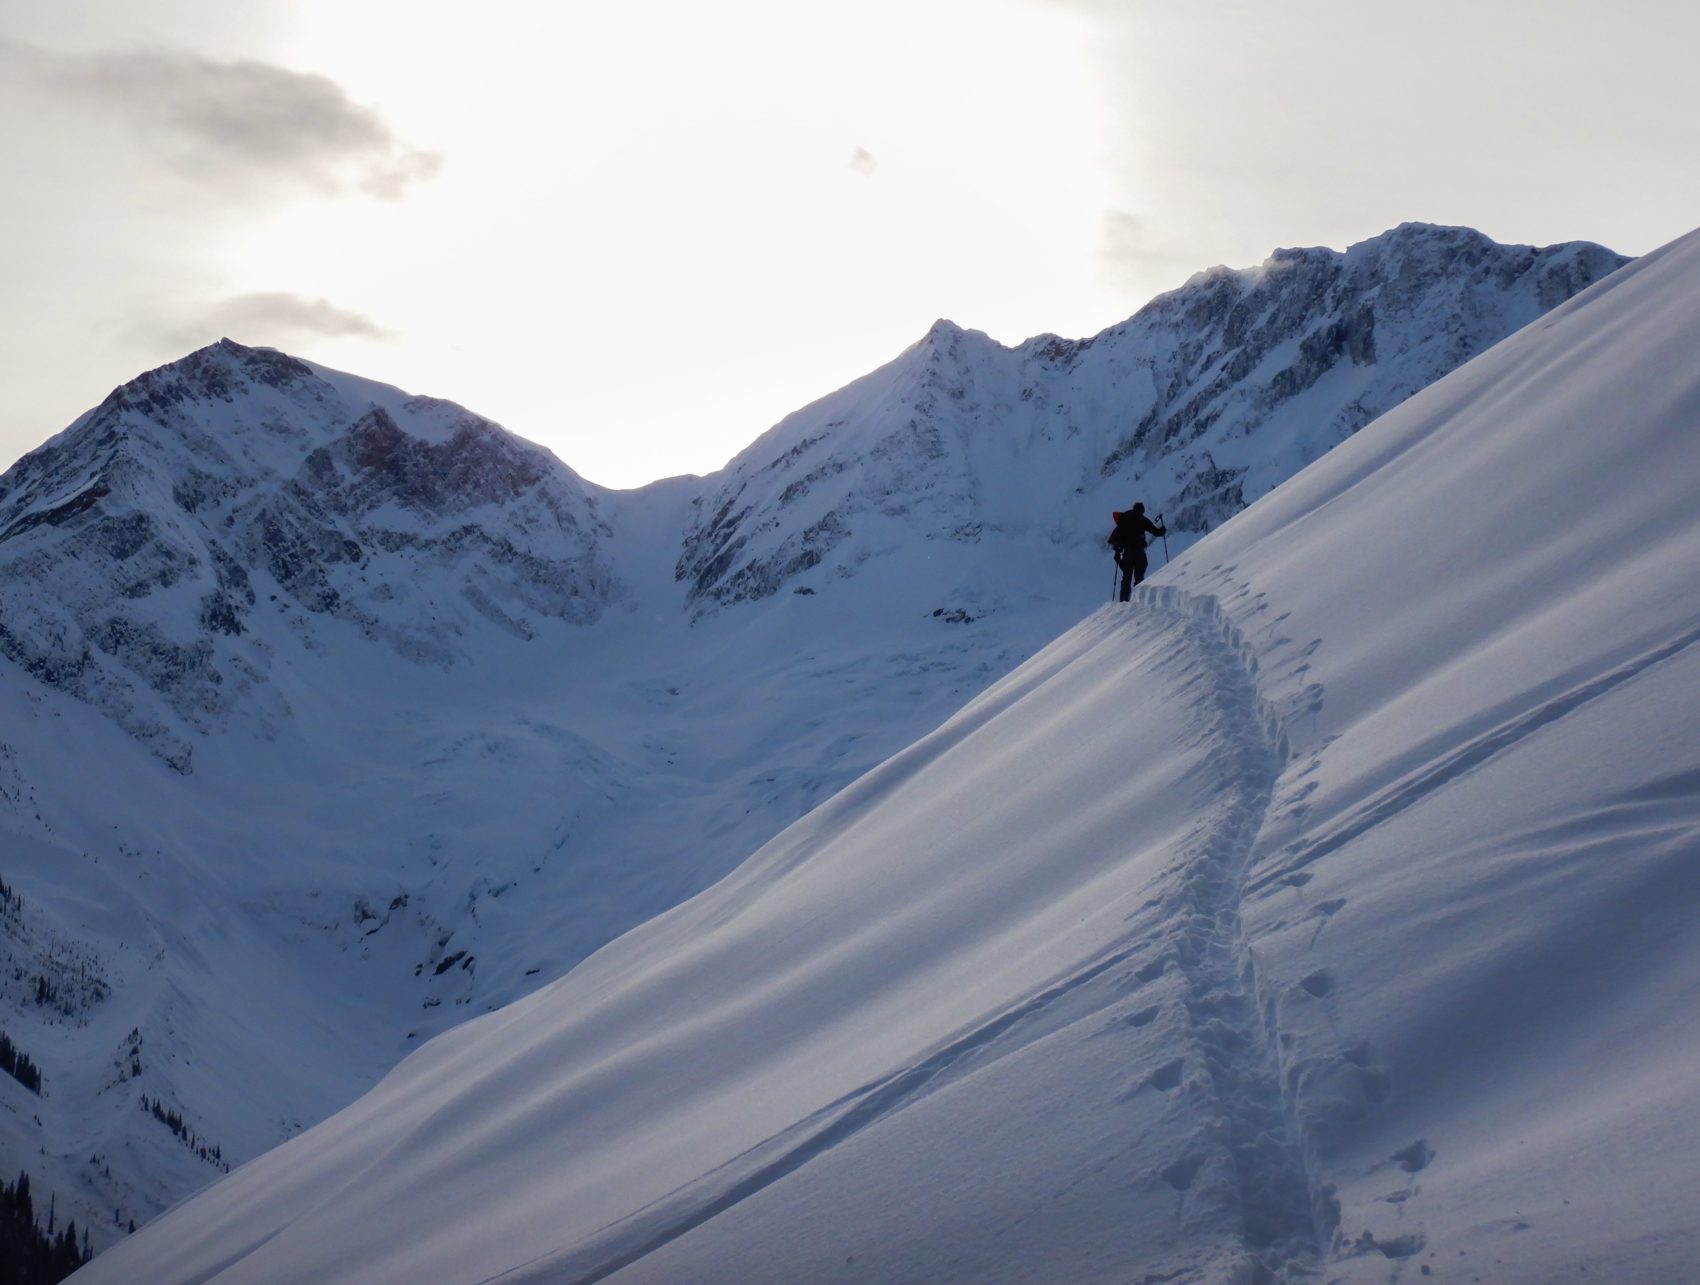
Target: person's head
[1139,508]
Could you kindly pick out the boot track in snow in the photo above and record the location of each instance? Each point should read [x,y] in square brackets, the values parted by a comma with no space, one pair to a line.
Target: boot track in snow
[1247,1158]
[1288,1216]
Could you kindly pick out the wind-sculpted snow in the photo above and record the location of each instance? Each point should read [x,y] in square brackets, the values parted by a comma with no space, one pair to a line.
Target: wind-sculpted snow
[331,716]
[1324,913]
[1204,400]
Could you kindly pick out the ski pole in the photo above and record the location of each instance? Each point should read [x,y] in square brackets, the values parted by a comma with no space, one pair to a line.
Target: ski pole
[1165,527]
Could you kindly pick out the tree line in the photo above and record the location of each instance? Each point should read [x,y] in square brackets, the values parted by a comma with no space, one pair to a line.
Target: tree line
[28,1254]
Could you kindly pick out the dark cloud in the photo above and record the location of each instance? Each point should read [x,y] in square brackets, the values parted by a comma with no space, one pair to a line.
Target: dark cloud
[864,162]
[272,318]
[223,121]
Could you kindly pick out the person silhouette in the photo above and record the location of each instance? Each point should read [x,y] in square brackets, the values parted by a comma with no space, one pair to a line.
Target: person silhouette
[1128,540]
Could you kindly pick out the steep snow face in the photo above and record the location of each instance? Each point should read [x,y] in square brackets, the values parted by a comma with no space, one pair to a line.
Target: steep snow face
[159,551]
[331,716]
[1327,909]
[1203,401]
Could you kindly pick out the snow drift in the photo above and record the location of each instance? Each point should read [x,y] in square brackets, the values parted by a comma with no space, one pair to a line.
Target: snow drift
[1330,904]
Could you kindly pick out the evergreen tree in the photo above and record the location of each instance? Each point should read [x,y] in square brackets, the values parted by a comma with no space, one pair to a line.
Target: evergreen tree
[29,1256]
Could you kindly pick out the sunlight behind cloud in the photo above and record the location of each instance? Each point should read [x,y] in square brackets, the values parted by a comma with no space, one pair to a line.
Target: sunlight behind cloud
[643,233]
[620,173]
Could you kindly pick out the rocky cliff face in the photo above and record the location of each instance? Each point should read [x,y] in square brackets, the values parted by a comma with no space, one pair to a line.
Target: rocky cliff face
[1201,402]
[141,546]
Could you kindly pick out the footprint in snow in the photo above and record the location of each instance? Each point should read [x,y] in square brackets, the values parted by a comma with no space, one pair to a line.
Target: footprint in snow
[1167,1076]
[1182,1173]
[1322,912]
[1152,971]
[1393,1247]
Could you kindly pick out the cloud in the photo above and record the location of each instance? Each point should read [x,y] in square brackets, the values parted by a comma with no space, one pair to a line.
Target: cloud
[275,319]
[864,162]
[1123,236]
[240,121]
[1130,257]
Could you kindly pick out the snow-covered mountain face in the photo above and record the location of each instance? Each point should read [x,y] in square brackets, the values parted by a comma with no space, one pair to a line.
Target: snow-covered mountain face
[331,717]
[1324,913]
[131,546]
[1200,403]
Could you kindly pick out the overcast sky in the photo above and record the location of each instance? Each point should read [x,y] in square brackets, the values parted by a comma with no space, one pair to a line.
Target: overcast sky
[641,233]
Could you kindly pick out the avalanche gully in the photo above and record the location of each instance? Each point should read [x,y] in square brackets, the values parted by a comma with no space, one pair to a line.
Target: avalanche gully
[334,717]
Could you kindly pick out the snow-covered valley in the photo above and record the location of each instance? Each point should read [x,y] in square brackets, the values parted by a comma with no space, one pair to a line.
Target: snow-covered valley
[427,773]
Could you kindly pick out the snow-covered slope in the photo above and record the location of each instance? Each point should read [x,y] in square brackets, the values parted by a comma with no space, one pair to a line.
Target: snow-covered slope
[331,716]
[1328,907]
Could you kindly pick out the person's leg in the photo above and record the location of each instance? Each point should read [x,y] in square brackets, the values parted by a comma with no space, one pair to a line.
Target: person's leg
[1127,581]
[1139,565]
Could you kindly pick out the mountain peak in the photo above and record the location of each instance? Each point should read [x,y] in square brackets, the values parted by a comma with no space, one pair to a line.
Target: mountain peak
[944,335]
[213,373]
[1302,351]
[1417,230]
[137,544]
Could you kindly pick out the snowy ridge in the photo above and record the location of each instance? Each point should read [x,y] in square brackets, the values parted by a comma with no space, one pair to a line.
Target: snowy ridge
[1202,401]
[175,521]
[1178,962]
[1251,1147]
[395,719]
[1328,910]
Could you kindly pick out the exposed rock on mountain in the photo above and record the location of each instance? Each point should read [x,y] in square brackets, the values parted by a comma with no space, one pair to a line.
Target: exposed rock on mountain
[137,545]
[1202,401]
